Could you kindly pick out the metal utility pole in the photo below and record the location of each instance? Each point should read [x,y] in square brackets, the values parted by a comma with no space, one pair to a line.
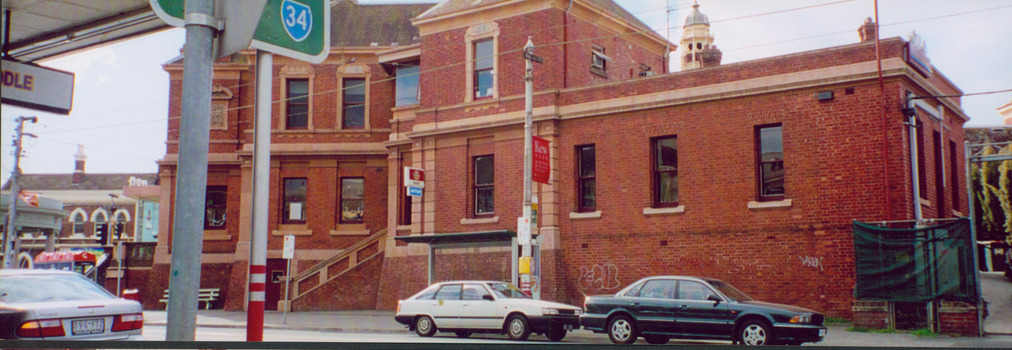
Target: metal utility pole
[524,233]
[9,255]
[261,193]
[191,180]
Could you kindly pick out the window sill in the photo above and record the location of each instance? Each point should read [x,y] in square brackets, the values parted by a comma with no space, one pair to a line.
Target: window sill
[403,227]
[958,214]
[664,211]
[347,232]
[925,202]
[217,235]
[285,232]
[585,216]
[784,204]
[479,221]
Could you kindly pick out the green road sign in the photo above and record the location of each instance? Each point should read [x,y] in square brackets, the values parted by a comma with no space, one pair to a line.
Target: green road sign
[297,29]
[170,11]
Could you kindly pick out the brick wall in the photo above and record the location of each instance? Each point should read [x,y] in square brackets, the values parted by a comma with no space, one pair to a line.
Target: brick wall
[354,290]
[871,314]
[957,318]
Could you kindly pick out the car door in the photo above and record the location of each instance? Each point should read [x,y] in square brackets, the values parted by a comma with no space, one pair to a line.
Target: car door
[477,311]
[654,306]
[446,306]
[698,316]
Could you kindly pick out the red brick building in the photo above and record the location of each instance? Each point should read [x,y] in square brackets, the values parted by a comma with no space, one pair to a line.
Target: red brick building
[750,172]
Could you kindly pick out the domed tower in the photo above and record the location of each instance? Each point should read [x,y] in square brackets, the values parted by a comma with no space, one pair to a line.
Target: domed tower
[698,50]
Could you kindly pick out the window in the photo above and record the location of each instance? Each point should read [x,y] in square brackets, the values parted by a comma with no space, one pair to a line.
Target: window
[407,84]
[484,60]
[953,173]
[354,103]
[665,171]
[484,189]
[473,292]
[658,289]
[78,224]
[101,223]
[586,177]
[692,290]
[936,144]
[598,60]
[770,161]
[297,104]
[214,208]
[449,292]
[922,180]
[294,201]
[352,208]
[121,221]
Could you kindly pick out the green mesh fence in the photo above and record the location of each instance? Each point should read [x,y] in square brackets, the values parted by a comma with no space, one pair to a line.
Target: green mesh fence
[915,263]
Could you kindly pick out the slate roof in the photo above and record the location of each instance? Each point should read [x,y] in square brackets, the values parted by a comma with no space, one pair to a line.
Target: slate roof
[607,6]
[352,24]
[54,182]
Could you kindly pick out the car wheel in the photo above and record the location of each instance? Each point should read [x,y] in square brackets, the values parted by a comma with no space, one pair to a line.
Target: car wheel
[556,333]
[424,326]
[656,339]
[621,330]
[517,327]
[755,333]
[462,334]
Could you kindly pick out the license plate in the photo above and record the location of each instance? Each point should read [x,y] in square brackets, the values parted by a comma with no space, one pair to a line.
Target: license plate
[822,332]
[88,326]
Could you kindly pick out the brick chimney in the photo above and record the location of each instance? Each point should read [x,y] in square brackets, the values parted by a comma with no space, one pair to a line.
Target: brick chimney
[867,30]
[79,158]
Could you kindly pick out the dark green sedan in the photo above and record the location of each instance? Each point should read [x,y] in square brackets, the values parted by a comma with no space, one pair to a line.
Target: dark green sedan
[660,308]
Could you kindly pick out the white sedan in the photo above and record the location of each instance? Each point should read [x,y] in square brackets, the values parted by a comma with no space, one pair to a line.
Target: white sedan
[63,305]
[464,307]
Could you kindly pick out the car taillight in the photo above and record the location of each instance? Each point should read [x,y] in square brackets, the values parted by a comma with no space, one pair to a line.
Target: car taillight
[41,328]
[128,322]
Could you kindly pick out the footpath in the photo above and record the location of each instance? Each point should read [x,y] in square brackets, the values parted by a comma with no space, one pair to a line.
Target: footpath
[382,322]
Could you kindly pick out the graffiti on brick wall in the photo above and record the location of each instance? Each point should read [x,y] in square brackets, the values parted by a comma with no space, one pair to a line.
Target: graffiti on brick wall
[811,261]
[599,278]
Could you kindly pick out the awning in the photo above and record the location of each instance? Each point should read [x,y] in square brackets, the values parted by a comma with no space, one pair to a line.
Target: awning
[460,237]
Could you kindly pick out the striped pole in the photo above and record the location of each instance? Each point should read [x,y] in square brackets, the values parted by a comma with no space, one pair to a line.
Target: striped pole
[261,193]
[255,313]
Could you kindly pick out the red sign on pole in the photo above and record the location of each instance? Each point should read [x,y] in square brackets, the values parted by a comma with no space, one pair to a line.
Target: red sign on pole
[541,168]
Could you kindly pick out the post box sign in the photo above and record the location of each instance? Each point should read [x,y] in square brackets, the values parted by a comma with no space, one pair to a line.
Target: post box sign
[36,87]
[541,169]
[414,177]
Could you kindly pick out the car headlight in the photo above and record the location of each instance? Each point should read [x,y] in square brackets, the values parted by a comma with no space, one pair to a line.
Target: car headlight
[547,311]
[577,312]
[801,319]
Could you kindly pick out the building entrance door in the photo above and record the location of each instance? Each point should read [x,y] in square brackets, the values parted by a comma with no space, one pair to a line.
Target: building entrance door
[275,283]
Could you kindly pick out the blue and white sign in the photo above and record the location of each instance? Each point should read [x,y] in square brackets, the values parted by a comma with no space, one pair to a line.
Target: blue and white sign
[298,19]
[414,191]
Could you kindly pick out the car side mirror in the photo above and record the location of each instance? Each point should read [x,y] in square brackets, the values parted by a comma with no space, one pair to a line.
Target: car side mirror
[715,299]
[488,297]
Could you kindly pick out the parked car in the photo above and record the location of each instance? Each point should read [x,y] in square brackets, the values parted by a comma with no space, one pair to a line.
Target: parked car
[465,307]
[41,304]
[663,307]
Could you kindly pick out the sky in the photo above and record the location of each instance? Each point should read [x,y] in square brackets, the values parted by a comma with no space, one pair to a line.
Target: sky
[121,96]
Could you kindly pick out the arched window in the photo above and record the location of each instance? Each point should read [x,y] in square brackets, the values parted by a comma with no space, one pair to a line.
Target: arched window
[78,219]
[121,224]
[101,220]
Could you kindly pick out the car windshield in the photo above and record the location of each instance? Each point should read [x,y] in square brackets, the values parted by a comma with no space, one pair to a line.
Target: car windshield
[729,291]
[49,288]
[506,290]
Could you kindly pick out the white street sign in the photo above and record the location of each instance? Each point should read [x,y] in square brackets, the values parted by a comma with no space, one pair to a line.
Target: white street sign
[289,249]
[523,231]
